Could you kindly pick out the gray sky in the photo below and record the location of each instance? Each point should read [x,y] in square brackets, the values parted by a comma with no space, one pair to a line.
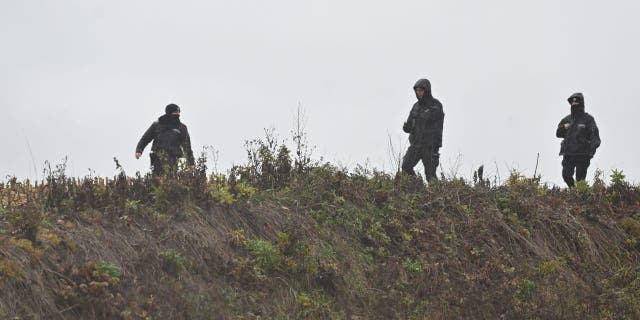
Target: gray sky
[84,78]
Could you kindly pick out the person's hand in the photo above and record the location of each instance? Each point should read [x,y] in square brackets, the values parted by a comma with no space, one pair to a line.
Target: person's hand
[138,155]
[406,127]
[567,125]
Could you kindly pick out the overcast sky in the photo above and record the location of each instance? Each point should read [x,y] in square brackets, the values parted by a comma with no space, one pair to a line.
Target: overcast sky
[85,79]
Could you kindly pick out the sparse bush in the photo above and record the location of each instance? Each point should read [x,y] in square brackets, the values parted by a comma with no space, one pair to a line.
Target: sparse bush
[377,234]
[599,186]
[132,206]
[173,262]
[26,219]
[57,182]
[227,191]
[10,270]
[237,238]
[284,241]
[108,272]
[268,165]
[551,267]
[28,246]
[517,182]
[412,266]
[631,226]
[525,290]
[621,192]
[49,238]
[582,190]
[171,196]
[303,151]
[314,305]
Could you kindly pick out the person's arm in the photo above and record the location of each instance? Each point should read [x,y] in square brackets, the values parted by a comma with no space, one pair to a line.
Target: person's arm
[440,125]
[594,138]
[563,126]
[147,137]
[408,125]
[186,148]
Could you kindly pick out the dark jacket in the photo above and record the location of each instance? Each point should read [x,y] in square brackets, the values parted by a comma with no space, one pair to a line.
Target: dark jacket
[583,137]
[169,136]
[426,119]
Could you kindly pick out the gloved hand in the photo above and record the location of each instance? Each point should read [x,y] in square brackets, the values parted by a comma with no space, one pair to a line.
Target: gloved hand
[406,127]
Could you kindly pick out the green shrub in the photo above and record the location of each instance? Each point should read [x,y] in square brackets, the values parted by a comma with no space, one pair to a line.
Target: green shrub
[10,270]
[265,255]
[551,267]
[269,163]
[631,226]
[222,195]
[412,266]
[132,206]
[617,178]
[284,241]
[525,290]
[582,188]
[173,262]
[599,185]
[314,305]
[26,219]
[171,195]
[108,272]
[377,233]
[243,190]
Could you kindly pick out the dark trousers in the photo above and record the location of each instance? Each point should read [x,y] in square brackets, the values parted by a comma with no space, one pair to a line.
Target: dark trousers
[160,163]
[427,154]
[577,165]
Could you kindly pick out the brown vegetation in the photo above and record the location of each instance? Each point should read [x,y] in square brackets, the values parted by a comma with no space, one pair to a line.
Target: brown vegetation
[276,240]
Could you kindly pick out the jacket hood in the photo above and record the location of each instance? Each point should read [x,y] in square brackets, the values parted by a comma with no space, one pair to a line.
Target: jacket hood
[426,85]
[169,119]
[577,96]
[579,108]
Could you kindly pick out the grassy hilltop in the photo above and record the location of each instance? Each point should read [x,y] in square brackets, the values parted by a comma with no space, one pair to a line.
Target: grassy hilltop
[289,239]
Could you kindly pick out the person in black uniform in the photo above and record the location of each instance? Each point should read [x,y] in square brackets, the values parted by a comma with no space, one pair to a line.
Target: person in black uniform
[171,141]
[424,126]
[581,138]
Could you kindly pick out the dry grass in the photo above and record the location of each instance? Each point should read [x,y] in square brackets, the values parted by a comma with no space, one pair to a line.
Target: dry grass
[319,243]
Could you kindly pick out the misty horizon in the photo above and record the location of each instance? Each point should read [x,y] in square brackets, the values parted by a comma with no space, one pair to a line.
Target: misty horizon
[85,79]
